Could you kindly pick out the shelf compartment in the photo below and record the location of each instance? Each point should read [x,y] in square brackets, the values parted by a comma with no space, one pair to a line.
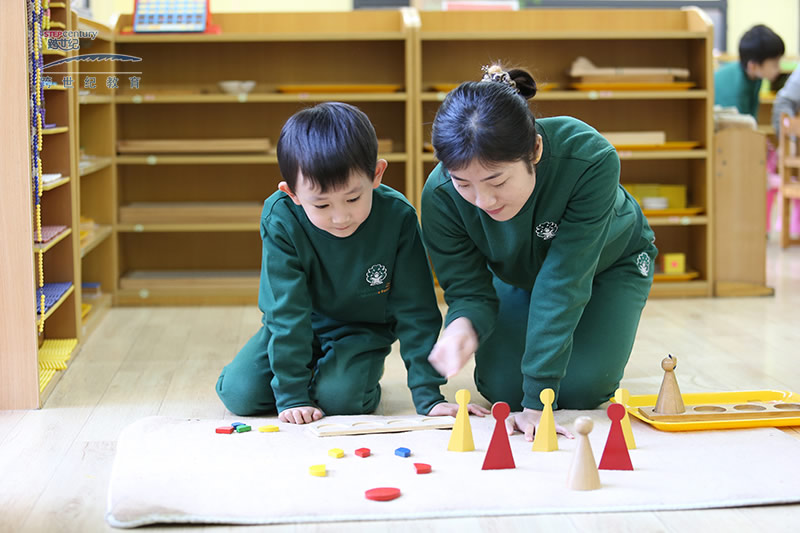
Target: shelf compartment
[174,97]
[93,164]
[184,146]
[190,213]
[55,294]
[51,235]
[55,184]
[95,238]
[190,279]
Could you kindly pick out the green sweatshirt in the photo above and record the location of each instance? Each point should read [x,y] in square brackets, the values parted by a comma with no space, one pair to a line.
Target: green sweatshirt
[379,276]
[577,222]
[732,88]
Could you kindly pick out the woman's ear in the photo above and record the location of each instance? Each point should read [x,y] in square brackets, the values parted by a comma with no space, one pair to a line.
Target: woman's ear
[284,187]
[380,168]
[539,147]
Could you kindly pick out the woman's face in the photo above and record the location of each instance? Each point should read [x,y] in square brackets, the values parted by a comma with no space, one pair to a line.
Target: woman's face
[501,191]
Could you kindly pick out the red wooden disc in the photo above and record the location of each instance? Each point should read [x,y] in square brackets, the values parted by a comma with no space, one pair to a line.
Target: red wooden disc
[422,468]
[382,494]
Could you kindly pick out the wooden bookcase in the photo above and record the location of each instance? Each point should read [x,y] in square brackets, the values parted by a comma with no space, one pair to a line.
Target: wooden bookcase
[454,45]
[167,256]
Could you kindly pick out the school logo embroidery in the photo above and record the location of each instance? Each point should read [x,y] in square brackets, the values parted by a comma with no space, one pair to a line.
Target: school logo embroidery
[643,263]
[376,274]
[546,230]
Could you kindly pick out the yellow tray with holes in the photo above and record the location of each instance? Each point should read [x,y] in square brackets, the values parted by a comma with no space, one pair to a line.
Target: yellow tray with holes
[706,400]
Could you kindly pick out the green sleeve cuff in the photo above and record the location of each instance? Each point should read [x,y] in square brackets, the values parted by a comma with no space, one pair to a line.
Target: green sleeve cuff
[531,388]
[425,398]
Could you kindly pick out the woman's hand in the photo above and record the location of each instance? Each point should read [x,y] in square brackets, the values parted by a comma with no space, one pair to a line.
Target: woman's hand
[527,421]
[451,409]
[456,345]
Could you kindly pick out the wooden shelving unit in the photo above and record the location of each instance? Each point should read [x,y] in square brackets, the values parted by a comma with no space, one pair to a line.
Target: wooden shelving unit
[167,258]
[454,45]
[97,173]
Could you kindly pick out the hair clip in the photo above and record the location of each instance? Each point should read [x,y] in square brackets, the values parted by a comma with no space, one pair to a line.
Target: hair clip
[497,74]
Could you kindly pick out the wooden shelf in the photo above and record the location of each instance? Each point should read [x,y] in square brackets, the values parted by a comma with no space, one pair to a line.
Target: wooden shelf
[677,221]
[95,99]
[556,35]
[96,164]
[694,94]
[56,305]
[49,52]
[221,98]
[55,131]
[680,289]
[56,184]
[45,246]
[662,154]
[100,307]
[179,228]
[178,213]
[258,37]
[222,159]
[55,87]
[96,237]
[188,287]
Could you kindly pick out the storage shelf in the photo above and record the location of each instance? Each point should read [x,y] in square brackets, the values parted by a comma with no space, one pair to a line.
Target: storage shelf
[96,164]
[188,287]
[49,52]
[45,246]
[55,131]
[556,35]
[100,234]
[260,37]
[662,154]
[56,305]
[55,87]
[677,289]
[697,94]
[56,184]
[166,98]
[94,99]
[178,228]
[145,213]
[677,221]
[100,307]
[160,159]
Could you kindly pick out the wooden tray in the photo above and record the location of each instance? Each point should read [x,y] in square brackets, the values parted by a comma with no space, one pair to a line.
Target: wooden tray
[383,425]
[340,88]
[669,145]
[189,212]
[634,86]
[675,212]
[637,406]
[160,146]
[686,276]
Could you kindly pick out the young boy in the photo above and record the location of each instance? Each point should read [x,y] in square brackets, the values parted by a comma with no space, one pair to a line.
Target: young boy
[344,274]
[738,84]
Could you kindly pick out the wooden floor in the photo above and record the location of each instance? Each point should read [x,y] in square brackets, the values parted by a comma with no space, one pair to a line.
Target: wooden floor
[55,462]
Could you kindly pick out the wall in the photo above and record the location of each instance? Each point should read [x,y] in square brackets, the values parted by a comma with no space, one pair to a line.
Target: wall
[783,16]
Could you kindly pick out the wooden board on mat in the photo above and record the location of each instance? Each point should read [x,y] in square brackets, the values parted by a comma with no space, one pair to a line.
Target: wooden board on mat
[161,146]
[390,425]
[732,411]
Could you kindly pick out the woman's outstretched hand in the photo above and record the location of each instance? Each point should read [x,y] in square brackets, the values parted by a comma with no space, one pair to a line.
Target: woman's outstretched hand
[527,421]
[456,345]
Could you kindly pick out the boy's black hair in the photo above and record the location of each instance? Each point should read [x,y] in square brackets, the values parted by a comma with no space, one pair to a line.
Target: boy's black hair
[486,121]
[326,143]
[758,44]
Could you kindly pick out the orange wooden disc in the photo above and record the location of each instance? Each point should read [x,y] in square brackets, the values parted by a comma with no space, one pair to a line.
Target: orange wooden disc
[382,494]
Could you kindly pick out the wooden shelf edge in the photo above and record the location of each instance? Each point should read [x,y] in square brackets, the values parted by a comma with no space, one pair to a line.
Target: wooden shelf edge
[632,155]
[55,131]
[261,37]
[680,289]
[694,94]
[223,159]
[178,228]
[100,234]
[99,164]
[187,297]
[557,35]
[701,220]
[45,246]
[94,99]
[221,98]
[55,184]
[730,289]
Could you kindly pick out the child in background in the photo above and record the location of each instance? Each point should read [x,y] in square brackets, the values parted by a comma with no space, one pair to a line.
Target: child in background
[344,274]
[738,84]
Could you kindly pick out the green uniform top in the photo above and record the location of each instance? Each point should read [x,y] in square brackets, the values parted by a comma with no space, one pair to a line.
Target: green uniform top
[379,277]
[577,222]
[732,88]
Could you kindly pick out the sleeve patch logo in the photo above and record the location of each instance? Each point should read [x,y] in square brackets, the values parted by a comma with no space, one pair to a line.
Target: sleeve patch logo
[643,263]
[376,274]
[546,230]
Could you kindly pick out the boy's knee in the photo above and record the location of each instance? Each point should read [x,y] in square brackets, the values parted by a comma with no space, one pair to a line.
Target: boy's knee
[346,398]
[245,395]
[586,395]
[496,387]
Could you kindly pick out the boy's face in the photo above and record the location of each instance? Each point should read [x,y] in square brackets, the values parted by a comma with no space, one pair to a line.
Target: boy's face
[767,70]
[341,211]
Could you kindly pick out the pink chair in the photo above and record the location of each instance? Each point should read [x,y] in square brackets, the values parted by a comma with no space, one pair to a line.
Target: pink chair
[773,193]
[789,171]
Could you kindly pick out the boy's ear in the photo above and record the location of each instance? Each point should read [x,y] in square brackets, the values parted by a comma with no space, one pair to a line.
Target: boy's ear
[539,147]
[284,187]
[380,168]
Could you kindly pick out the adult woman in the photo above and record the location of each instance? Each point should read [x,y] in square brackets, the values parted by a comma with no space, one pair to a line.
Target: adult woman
[545,260]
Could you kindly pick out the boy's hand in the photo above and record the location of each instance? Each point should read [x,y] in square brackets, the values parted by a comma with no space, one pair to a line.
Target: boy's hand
[456,345]
[301,415]
[527,421]
[451,409]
